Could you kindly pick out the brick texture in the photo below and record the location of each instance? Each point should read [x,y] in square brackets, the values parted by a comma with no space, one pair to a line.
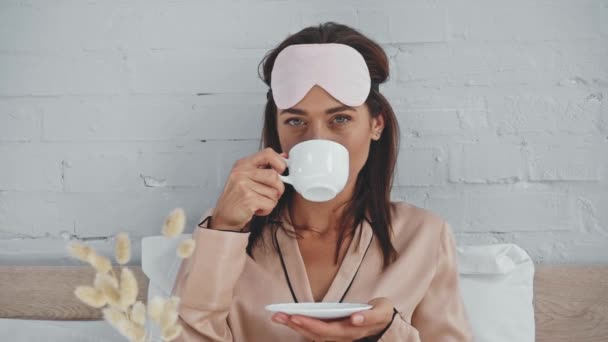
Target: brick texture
[112,113]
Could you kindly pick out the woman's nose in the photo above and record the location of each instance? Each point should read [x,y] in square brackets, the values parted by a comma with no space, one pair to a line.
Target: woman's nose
[318,131]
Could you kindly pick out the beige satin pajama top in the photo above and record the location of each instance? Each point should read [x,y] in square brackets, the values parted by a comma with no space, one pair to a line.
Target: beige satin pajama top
[224,291]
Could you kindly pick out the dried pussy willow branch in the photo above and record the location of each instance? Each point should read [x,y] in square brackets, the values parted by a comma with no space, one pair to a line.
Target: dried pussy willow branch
[117,297]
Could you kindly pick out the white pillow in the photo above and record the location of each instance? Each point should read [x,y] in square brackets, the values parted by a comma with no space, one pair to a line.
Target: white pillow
[497,288]
[496,285]
[160,263]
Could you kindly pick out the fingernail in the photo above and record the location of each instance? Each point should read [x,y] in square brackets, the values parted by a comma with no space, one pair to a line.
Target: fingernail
[358,319]
[295,321]
[280,319]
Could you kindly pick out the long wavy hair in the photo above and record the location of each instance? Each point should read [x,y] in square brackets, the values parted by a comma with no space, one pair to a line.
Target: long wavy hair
[374,182]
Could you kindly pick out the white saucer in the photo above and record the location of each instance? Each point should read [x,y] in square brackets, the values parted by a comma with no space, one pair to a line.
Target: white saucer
[319,310]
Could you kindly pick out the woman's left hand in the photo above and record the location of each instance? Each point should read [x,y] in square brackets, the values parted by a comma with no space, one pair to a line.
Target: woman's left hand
[351,328]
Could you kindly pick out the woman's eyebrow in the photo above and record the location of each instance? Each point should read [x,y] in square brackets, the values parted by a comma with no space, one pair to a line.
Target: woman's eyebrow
[298,111]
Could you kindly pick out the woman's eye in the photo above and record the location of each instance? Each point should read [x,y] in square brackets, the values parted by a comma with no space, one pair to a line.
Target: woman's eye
[342,119]
[294,122]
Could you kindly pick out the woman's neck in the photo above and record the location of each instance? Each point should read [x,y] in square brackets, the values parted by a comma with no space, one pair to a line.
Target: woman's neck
[320,217]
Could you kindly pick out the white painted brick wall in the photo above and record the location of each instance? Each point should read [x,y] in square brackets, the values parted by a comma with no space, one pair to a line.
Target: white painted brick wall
[485,162]
[112,113]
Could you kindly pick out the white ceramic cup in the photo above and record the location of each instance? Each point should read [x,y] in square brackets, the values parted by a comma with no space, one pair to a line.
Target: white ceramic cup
[318,169]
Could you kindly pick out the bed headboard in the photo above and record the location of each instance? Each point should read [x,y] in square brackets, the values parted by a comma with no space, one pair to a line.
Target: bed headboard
[47,292]
[571,302]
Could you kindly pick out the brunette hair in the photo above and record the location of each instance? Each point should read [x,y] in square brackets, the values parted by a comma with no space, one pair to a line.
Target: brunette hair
[374,182]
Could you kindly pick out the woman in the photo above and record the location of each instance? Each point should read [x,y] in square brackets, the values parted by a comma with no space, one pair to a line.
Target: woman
[264,243]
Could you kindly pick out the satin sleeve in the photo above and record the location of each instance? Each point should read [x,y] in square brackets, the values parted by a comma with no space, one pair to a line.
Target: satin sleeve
[205,283]
[399,330]
[441,316]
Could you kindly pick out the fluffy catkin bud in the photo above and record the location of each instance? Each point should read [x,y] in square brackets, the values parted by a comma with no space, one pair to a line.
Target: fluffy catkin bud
[123,248]
[90,296]
[100,262]
[155,308]
[174,223]
[132,331]
[108,285]
[168,318]
[113,316]
[105,279]
[186,248]
[138,313]
[171,333]
[80,251]
[128,288]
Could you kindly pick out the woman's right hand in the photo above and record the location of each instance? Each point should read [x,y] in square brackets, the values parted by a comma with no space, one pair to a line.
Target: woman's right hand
[252,188]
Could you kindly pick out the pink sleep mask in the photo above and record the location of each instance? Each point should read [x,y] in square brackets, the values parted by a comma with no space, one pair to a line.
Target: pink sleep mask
[337,68]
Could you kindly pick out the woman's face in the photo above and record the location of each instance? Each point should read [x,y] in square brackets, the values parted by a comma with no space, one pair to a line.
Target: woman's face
[320,116]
